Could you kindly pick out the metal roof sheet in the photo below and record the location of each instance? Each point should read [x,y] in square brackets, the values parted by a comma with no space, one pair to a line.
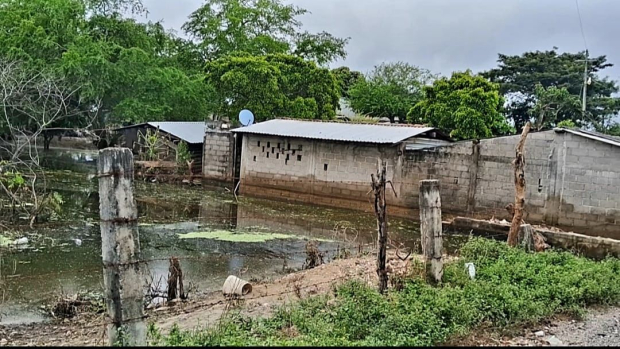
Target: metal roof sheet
[335,131]
[592,135]
[190,132]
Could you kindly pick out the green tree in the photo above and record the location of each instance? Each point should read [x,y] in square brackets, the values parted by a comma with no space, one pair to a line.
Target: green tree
[258,27]
[273,86]
[390,90]
[465,106]
[553,106]
[346,78]
[519,75]
[127,71]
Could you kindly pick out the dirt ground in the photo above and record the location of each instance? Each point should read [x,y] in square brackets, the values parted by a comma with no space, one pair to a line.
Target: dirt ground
[204,310]
[600,327]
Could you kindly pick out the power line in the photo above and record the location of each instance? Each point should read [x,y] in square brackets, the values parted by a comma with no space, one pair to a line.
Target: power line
[583,35]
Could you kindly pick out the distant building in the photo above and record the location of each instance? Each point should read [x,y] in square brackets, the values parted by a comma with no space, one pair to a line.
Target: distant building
[191,133]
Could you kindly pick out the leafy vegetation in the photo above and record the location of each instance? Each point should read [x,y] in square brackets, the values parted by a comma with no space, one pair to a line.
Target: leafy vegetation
[511,287]
[465,106]
[520,75]
[273,86]
[390,90]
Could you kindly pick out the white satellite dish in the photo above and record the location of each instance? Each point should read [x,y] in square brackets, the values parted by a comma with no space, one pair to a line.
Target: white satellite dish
[246,118]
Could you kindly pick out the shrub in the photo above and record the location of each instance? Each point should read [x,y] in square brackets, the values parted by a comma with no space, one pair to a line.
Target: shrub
[511,287]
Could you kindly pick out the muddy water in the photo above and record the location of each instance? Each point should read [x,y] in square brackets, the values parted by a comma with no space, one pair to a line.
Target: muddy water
[64,255]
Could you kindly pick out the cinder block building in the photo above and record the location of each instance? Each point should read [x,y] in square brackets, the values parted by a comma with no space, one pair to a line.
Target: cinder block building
[572,176]
[324,162]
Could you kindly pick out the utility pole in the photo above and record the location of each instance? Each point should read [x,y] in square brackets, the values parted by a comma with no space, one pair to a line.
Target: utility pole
[585,85]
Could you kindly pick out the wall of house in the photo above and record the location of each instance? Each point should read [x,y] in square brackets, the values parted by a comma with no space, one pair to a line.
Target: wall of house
[572,181]
[218,156]
[330,173]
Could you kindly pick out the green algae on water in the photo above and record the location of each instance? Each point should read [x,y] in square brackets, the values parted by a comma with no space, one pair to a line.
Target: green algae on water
[227,235]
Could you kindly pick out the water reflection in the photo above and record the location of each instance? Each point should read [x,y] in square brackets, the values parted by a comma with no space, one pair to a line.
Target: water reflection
[54,261]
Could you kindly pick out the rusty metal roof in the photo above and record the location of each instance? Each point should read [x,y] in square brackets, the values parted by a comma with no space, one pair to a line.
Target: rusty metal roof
[190,132]
[335,131]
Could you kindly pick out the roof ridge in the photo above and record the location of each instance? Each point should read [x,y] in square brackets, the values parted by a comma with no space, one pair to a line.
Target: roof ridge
[355,123]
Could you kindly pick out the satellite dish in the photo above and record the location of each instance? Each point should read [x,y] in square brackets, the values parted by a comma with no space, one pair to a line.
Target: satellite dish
[246,118]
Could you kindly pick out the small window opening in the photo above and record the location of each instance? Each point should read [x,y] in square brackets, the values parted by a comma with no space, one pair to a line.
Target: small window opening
[267,155]
[300,147]
[287,157]
[278,146]
[268,144]
[288,146]
[254,158]
[540,185]
[324,167]
[277,155]
[273,150]
[298,157]
[263,149]
[258,144]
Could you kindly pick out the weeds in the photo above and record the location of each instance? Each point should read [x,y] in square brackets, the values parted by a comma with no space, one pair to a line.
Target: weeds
[511,287]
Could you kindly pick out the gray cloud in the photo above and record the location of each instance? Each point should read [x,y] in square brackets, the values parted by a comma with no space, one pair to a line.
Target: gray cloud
[446,35]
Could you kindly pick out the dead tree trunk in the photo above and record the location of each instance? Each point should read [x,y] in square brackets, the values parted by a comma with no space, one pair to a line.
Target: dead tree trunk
[378,187]
[519,171]
[175,280]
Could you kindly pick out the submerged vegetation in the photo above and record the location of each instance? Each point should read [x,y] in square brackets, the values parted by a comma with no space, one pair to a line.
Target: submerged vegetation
[511,287]
[232,236]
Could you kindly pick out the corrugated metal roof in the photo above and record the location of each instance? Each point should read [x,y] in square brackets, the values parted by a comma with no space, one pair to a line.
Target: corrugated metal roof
[190,132]
[593,135]
[334,131]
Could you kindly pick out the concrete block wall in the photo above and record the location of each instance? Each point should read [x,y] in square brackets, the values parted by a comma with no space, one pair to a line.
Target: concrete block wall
[218,156]
[572,182]
[311,170]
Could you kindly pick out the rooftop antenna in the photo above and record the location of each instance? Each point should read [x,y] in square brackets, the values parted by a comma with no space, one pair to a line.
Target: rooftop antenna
[246,118]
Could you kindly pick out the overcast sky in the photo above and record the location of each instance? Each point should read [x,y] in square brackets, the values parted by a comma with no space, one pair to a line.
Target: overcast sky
[446,35]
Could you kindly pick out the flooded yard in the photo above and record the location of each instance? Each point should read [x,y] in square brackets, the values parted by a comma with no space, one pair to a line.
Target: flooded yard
[207,229]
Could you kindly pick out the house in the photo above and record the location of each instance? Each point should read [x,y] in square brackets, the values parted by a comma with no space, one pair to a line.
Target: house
[172,132]
[323,162]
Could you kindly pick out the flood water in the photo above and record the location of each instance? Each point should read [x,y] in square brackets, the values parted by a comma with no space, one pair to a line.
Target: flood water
[64,255]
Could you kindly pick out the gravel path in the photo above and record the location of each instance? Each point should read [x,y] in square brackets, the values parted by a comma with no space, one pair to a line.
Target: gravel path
[601,327]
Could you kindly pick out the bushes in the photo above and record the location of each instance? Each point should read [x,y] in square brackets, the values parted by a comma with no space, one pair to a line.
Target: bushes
[511,287]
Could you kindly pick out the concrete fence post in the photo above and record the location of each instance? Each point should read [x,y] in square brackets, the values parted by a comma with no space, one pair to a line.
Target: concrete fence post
[431,229]
[120,247]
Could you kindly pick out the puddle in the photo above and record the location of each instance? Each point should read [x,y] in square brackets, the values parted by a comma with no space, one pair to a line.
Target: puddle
[211,234]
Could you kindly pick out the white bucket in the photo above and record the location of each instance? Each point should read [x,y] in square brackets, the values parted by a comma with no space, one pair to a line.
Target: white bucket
[235,286]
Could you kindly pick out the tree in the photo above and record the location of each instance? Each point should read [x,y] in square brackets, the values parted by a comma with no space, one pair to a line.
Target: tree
[128,71]
[519,75]
[553,106]
[346,78]
[390,90]
[273,86]
[30,102]
[258,27]
[465,106]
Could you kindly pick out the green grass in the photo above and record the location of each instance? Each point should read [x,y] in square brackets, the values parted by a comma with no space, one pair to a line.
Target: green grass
[511,287]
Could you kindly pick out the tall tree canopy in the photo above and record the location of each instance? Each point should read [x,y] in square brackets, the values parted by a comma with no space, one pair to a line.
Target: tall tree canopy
[519,75]
[258,27]
[273,86]
[346,78]
[465,106]
[390,90]
[128,71]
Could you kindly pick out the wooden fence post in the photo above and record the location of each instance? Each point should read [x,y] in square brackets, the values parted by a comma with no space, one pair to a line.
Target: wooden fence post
[120,246]
[431,229]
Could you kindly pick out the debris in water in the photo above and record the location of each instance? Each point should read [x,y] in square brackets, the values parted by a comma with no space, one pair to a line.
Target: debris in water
[78,242]
[21,241]
[226,235]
